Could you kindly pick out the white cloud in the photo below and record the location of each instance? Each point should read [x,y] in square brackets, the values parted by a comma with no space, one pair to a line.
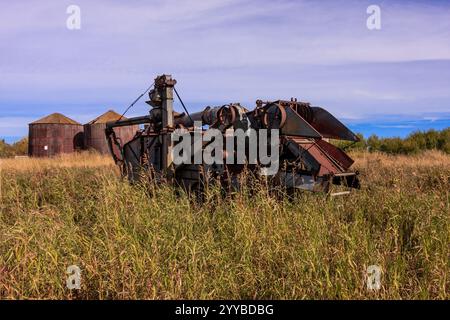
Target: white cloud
[398,126]
[232,50]
[381,95]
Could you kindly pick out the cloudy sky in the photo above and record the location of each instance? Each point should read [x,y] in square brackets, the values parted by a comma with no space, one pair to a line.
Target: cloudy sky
[224,51]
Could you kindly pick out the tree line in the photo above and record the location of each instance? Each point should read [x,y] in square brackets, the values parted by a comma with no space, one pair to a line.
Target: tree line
[19,148]
[412,144]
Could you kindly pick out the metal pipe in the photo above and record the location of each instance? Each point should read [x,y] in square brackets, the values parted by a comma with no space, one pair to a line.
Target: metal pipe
[208,116]
[129,122]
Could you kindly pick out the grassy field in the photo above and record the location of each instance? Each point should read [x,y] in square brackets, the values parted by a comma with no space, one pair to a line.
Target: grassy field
[146,242]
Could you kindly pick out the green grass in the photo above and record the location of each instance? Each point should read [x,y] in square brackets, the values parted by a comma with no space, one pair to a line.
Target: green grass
[147,242]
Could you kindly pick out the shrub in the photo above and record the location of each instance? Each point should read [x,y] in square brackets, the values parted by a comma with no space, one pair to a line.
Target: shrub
[414,143]
[19,148]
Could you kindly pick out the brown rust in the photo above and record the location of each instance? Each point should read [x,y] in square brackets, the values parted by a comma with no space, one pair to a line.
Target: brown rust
[53,135]
[307,161]
[94,132]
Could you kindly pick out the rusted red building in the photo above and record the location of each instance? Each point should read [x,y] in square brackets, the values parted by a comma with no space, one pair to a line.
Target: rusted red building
[54,134]
[94,132]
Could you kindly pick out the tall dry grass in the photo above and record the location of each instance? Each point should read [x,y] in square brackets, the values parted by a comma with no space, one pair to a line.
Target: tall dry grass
[150,242]
[73,160]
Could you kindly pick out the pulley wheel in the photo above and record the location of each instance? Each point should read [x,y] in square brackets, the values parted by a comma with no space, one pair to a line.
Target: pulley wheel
[274,117]
[226,115]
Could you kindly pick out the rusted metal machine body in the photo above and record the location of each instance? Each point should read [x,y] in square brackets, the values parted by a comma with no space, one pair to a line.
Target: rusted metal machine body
[306,159]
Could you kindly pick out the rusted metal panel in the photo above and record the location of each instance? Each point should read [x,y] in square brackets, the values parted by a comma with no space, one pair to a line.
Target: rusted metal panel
[330,127]
[340,156]
[47,139]
[94,132]
[95,138]
[328,165]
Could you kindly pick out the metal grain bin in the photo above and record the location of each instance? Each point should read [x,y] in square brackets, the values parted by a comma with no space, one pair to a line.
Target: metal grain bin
[53,135]
[94,132]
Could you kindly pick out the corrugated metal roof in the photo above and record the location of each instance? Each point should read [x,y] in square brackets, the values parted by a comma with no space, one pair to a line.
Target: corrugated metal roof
[109,115]
[56,118]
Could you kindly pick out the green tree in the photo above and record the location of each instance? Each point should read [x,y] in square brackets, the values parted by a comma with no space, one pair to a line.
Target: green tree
[20,148]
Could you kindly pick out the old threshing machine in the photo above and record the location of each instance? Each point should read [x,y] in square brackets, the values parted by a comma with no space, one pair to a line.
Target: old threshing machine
[305,158]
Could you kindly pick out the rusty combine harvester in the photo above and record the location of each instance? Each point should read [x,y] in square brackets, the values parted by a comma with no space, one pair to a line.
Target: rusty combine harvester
[307,160]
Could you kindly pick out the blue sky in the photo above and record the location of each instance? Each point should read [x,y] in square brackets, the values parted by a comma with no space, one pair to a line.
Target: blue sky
[390,81]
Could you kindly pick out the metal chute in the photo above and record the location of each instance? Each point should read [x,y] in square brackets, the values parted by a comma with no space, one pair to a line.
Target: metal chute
[330,127]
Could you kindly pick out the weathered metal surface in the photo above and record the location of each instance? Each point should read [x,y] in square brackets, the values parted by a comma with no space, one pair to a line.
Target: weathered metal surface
[326,163]
[94,133]
[95,136]
[307,160]
[54,134]
[338,155]
[330,127]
